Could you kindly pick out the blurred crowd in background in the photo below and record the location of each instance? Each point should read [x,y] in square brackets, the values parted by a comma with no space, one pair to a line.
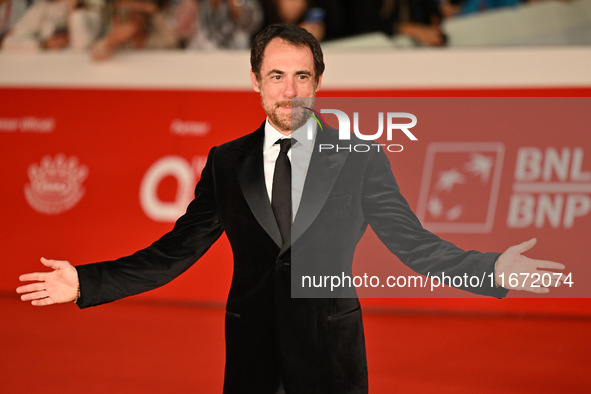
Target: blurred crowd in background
[104,26]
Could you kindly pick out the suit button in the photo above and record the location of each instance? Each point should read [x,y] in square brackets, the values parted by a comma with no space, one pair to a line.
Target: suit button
[279,263]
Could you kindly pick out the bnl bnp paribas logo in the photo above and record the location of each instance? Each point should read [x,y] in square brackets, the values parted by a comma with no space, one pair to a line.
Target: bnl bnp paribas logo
[461,182]
[389,123]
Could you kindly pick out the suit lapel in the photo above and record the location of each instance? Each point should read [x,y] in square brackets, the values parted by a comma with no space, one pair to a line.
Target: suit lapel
[252,182]
[322,173]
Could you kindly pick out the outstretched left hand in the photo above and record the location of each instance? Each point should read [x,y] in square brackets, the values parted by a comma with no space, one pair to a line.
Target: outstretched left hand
[514,271]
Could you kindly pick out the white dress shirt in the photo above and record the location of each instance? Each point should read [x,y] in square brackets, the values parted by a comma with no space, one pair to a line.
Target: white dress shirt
[299,155]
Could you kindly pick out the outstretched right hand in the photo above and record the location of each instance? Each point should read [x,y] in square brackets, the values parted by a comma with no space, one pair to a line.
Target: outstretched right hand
[57,286]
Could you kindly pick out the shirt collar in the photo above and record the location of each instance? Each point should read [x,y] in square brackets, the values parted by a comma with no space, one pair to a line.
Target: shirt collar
[272,135]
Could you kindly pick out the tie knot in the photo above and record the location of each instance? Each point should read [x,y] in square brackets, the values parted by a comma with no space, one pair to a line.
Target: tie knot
[285,144]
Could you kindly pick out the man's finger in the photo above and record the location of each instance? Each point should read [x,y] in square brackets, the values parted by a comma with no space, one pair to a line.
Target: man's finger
[556,278]
[43,302]
[538,290]
[30,287]
[37,295]
[547,264]
[39,276]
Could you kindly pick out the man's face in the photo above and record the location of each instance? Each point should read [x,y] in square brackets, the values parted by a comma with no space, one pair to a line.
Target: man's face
[287,72]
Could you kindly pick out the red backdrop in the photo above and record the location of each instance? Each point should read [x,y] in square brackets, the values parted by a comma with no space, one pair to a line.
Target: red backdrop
[90,175]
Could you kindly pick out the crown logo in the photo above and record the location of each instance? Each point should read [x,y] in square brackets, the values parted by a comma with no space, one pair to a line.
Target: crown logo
[55,184]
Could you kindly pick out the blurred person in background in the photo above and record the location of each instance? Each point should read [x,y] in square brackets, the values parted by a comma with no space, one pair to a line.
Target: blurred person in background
[419,20]
[56,24]
[451,8]
[218,24]
[10,12]
[296,12]
[137,24]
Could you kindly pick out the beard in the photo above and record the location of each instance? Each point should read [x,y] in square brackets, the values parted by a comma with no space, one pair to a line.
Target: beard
[289,121]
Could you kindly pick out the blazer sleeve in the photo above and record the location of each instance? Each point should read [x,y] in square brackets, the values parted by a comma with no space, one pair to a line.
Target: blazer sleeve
[192,235]
[391,218]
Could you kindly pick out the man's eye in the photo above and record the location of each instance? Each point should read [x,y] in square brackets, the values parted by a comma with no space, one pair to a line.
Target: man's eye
[302,77]
[276,77]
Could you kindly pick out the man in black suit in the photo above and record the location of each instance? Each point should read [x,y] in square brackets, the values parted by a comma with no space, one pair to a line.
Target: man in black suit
[276,343]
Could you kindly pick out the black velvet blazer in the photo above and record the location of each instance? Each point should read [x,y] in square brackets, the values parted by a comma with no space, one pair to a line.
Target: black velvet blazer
[314,345]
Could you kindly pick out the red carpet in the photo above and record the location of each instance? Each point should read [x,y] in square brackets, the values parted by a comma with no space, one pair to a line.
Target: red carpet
[132,347]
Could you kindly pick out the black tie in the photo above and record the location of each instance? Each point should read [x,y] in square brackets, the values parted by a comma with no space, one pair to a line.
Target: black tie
[281,193]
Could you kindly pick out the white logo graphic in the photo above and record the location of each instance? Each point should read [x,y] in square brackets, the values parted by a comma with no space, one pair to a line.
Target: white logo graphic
[55,184]
[184,174]
[460,186]
[550,188]
[345,125]
[189,127]
[345,130]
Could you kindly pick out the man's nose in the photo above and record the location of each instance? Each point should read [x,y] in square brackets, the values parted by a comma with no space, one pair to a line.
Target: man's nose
[290,89]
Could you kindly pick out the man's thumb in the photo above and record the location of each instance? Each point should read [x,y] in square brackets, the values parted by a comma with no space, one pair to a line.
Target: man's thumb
[54,264]
[527,245]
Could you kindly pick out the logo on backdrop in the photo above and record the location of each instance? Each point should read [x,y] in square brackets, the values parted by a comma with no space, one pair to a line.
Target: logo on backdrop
[460,186]
[550,188]
[189,127]
[184,174]
[27,124]
[55,184]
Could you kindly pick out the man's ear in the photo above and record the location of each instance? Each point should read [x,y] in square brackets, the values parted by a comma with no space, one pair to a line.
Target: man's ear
[319,83]
[255,82]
